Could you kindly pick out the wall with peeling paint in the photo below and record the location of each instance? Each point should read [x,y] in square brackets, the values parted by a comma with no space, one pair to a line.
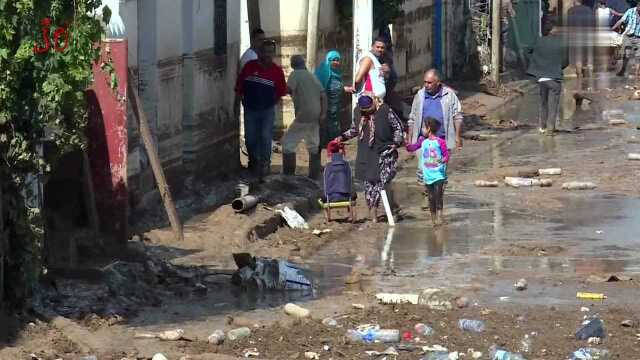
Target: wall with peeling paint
[185,87]
[415,40]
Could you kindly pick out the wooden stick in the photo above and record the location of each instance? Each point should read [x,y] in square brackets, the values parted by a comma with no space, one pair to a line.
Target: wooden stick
[89,197]
[154,159]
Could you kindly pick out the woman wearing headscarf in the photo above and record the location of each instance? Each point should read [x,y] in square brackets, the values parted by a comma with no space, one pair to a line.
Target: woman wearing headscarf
[330,77]
[379,133]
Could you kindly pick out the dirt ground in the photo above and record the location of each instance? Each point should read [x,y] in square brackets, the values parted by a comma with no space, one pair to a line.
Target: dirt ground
[210,238]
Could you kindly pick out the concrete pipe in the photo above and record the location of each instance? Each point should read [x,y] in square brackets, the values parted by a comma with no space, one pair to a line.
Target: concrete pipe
[244,203]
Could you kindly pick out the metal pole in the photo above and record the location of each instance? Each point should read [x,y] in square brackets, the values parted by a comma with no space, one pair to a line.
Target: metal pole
[362,33]
[495,41]
[312,33]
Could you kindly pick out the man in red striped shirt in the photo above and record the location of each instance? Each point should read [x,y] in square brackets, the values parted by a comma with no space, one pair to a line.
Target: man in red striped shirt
[260,85]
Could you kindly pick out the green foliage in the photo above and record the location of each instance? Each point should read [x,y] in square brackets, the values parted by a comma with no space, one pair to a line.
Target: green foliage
[384,11]
[41,95]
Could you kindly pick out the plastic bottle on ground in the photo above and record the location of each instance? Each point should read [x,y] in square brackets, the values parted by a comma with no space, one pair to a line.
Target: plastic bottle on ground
[374,335]
[471,325]
[238,333]
[437,355]
[525,344]
[423,329]
[495,353]
[590,354]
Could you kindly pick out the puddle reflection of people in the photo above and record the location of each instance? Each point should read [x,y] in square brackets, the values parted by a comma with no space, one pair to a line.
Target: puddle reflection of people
[437,246]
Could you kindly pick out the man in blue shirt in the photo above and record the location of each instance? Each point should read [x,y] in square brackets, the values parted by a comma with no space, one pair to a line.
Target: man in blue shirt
[432,107]
[631,42]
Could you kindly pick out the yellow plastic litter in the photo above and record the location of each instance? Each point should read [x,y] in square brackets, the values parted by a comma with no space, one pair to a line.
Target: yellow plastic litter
[591,296]
[334,205]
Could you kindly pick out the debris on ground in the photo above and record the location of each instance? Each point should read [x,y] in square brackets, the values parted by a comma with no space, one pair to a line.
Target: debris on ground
[252,352]
[628,323]
[485,183]
[238,333]
[159,357]
[317,232]
[594,340]
[296,311]
[590,354]
[293,219]
[633,156]
[497,353]
[526,344]
[372,333]
[462,302]
[423,329]
[391,351]
[608,278]
[330,322]
[471,325]
[389,299]
[517,182]
[613,115]
[436,299]
[169,335]
[216,338]
[594,328]
[576,185]
[358,306]
[550,171]
[521,285]
[269,274]
[591,296]
[311,355]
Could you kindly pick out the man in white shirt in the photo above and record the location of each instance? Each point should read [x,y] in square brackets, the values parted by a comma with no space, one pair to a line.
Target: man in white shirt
[257,37]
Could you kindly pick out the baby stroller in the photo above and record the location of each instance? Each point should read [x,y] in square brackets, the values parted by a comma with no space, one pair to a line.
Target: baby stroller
[338,184]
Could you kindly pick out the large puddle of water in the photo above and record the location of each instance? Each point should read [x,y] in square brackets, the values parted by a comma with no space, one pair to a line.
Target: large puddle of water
[600,234]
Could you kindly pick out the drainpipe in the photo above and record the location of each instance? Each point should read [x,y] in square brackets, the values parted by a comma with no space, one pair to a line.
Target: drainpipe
[244,203]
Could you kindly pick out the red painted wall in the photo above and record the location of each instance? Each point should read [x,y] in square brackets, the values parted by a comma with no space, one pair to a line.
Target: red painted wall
[107,134]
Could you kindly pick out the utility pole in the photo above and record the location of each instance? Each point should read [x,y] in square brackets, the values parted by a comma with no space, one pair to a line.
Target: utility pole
[312,33]
[362,33]
[495,41]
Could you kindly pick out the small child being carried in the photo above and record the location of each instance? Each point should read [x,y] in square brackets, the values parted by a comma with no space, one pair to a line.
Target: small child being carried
[433,164]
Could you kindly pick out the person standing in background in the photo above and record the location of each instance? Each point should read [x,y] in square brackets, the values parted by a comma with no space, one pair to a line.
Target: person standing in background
[631,40]
[260,86]
[548,60]
[620,7]
[310,104]
[329,74]
[371,73]
[257,37]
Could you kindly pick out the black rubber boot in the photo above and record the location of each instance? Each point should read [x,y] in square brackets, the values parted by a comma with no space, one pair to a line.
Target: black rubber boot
[289,164]
[315,167]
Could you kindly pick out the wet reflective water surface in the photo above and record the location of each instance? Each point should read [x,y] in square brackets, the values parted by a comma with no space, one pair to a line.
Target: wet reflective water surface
[485,242]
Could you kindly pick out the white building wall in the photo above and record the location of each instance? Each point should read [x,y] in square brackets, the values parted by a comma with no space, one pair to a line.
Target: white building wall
[186,89]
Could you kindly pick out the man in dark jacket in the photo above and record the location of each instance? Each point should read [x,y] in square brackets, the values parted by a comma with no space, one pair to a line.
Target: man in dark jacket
[549,58]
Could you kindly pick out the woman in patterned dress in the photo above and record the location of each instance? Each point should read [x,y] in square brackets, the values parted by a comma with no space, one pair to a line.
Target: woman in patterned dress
[379,133]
